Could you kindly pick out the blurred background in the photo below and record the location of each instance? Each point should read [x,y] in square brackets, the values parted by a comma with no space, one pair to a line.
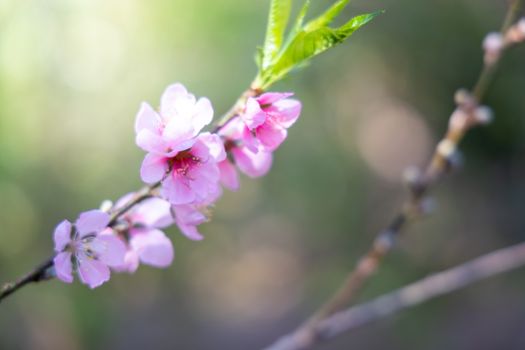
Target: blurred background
[72,76]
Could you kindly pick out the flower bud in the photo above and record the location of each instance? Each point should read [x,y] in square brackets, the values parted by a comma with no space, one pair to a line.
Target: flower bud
[483,115]
[492,45]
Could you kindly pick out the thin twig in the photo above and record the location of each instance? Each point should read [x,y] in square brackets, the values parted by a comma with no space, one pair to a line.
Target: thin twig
[413,208]
[428,288]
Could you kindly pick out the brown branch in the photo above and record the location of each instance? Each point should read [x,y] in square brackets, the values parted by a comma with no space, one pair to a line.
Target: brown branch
[416,293]
[42,272]
[467,114]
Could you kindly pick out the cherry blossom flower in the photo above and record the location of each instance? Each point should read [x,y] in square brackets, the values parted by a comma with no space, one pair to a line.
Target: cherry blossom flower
[178,156]
[252,163]
[82,248]
[189,216]
[266,118]
[139,229]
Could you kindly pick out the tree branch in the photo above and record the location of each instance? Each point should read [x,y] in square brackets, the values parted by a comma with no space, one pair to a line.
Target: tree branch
[467,114]
[416,293]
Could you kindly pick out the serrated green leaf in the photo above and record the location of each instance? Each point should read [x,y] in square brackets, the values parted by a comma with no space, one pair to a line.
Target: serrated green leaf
[277,21]
[306,45]
[300,19]
[327,17]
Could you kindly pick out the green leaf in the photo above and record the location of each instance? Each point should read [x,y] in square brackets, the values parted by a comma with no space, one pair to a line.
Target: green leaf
[308,44]
[327,17]
[277,21]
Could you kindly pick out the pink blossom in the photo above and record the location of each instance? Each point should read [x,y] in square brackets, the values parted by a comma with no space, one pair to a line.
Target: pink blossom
[181,158]
[83,248]
[139,228]
[266,118]
[252,160]
[189,216]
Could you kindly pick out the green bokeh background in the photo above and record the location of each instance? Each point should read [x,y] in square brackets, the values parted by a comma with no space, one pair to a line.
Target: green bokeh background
[72,75]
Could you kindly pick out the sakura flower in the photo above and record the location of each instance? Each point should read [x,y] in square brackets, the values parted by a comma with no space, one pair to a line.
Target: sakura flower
[267,117]
[252,163]
[189,216]
[181,158]
[139,228]
[82,248]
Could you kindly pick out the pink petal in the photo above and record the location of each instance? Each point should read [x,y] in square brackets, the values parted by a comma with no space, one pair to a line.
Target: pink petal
[153,168]
[151,142]
[191,232]
[62,235]
[249,140]
[200,150]
[253,115]
[205,180]
[153,212]
[176,189]
[92,272]
[147,119]
[178,131]
[229,175]
[109,248]
[202,114]
[171,94]
[214,144]
[63,267]
[92,221]
[188,215]
[285,112]
[153,248]
[271,135]
[272,97]
[252,164]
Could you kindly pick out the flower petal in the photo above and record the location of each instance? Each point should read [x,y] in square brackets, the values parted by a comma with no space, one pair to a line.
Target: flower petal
[253,115]
[202,114]
[229,175]
[151,142]
[153,248]
[252,164]
[176,189]
[62,235]
[272,97]
[92,221]
[153,212]
[63,267]
[191,232]
[147,119]
[271,135]
[91,271]
[109,248]
[285,112]
[153,168]
[214,144]
[172,93]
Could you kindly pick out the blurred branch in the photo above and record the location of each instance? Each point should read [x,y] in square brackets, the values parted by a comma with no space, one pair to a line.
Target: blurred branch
[468,113]
[430,287]
[43,271]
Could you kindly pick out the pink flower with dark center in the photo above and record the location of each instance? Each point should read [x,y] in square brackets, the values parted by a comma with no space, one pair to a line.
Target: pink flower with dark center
[181,158]
[140,228]
[266,118]
[82,248]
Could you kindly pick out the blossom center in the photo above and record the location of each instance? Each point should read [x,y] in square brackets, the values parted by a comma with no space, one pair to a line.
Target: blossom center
[183,162]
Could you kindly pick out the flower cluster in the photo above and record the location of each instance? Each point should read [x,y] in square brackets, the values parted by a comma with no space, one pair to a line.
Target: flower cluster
[190,167]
